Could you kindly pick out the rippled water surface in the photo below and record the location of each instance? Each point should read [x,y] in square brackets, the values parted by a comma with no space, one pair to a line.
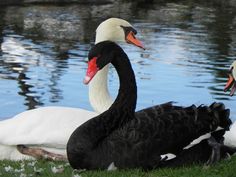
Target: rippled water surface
[43,53]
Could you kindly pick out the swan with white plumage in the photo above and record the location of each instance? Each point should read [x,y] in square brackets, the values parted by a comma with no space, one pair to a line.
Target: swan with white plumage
[50,127]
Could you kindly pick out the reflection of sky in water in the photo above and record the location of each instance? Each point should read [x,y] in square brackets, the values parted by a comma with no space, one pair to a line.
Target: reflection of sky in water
[186,59]
[46,80]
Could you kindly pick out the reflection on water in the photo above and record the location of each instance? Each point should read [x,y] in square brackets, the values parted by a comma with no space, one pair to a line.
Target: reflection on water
[43,53]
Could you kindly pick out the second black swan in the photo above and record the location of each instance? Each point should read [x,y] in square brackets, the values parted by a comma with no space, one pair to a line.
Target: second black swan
[118,136]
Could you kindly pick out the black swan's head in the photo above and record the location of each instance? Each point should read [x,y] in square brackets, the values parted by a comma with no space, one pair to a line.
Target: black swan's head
[99,56]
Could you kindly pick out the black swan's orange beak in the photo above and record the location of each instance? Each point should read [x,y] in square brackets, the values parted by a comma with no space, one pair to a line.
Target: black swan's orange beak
[130,38]
[91,71]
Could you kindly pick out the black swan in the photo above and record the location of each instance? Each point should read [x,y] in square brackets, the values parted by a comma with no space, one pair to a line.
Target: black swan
[117,136]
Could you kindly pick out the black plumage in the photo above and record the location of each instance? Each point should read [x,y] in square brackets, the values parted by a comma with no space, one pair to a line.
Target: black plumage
[136,140]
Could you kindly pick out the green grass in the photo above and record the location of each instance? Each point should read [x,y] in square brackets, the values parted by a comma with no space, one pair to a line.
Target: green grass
[225,168]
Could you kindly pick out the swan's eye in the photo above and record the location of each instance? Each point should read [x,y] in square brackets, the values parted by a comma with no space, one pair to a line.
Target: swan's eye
[231,69]
[128,29]
[134,31]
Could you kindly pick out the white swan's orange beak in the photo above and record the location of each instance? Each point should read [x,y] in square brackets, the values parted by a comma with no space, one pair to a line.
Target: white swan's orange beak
[230,83]
[130,38]
[91,71]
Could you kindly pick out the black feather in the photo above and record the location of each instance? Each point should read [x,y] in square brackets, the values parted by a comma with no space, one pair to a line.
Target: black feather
[136,140]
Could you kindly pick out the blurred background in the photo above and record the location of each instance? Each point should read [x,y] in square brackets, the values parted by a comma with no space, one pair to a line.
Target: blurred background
[44,44]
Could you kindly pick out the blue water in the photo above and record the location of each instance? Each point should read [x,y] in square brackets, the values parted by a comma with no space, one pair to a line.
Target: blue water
[189,48]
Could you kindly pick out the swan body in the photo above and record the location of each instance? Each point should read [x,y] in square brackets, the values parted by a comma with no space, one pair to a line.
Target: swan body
[50,127]
[120,137]
[31,123]
[46,127]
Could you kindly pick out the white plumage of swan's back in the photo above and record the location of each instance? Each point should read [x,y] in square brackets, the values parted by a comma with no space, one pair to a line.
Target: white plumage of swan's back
[47,127]
[230,136]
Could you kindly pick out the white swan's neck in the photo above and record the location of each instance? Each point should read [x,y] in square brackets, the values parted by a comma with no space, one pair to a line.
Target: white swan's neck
[99,96]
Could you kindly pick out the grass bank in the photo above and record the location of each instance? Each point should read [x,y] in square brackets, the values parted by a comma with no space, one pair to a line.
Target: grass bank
[226,168]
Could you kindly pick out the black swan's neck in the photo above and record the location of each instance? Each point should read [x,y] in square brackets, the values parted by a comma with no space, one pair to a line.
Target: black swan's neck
[127,95]
[123,108]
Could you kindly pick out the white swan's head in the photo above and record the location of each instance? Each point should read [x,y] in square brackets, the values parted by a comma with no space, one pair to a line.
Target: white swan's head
[117,30]
[232,79]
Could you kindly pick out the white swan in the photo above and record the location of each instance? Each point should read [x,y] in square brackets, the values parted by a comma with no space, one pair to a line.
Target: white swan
[50,127]
[230,136]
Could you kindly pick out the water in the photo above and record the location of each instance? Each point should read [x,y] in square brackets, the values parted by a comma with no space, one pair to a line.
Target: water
[43,53]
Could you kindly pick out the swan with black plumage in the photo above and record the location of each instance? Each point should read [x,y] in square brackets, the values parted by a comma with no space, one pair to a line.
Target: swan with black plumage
[119,137]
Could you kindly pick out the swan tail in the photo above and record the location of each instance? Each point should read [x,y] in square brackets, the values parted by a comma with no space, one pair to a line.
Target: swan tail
[222,114]
[214,116]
